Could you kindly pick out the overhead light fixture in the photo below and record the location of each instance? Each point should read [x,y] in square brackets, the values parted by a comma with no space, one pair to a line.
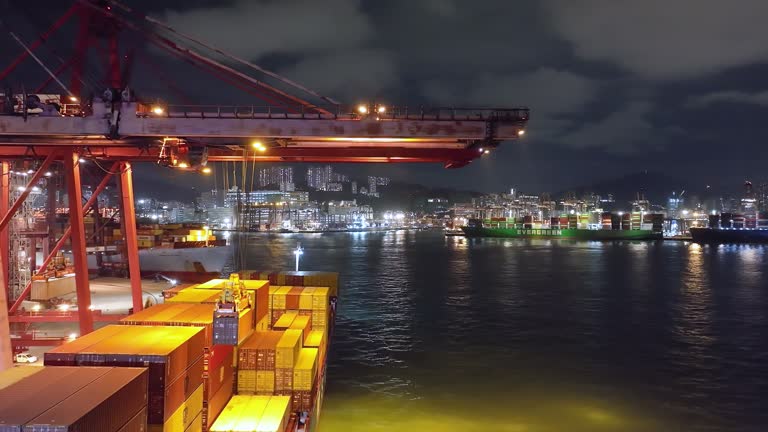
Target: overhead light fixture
[382,109]
[73,99]
[81,160]
[48,173]
[183,165]
[30,171]
[521,132]
[158,110]
[362,109]
[256,144]
[206,170]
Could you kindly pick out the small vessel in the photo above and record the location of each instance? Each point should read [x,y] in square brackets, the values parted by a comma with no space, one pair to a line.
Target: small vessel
[630,226]
[733,228]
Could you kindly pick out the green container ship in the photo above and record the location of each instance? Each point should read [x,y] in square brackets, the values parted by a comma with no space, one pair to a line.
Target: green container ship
[574,227]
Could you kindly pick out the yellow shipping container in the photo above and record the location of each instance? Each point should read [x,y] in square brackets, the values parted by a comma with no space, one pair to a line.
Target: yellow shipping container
[305,369]
[263,325]
[319,319]
[184,415]
[244,325]
[278,298]
[287,350]
[197,424]
[255,284]
[306,300]
[302,323]
[265,382]
[194,295]
[275,416]
[246,381]
[272,291]
[315,339]
[242,413]
[320,298]
[286,320]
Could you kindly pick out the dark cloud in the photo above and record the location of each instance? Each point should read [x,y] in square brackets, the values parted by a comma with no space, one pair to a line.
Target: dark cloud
[661,39]
[254,29]
[758,98]
[350,75]
[616,83]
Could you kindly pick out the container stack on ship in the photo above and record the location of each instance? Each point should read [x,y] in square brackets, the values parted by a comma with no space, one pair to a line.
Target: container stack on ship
[589,226]
[226,355]
[733,228]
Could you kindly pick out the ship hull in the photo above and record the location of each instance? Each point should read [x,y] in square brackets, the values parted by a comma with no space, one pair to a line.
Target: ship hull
[185,264]
[571,234]
[720,236]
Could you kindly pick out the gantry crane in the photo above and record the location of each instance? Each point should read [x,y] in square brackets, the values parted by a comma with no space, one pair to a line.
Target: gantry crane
[117,128]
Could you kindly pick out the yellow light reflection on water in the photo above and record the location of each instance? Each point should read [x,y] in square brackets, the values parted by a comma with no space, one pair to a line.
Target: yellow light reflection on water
[513,412]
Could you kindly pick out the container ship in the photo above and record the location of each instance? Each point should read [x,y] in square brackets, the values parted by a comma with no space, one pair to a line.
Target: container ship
[733,228]
[237,354]
[627,226]
[185,252]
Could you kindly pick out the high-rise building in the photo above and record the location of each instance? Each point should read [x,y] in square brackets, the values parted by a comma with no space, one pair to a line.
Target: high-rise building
[749,201]
[280,177]
[354,188]
[372,183]
[762,197]
[319,177]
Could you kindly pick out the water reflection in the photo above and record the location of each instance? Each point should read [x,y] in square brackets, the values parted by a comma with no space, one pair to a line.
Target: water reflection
[455,334]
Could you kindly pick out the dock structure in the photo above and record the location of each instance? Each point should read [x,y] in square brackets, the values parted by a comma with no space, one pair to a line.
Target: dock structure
[55,134]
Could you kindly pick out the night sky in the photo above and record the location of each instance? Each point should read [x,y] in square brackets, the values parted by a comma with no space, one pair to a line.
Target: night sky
[615,86]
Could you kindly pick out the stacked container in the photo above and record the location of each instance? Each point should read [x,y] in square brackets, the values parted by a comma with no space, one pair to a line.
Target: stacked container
[254,413]
[218,362]
[97,399]
[173,356]
[301,278]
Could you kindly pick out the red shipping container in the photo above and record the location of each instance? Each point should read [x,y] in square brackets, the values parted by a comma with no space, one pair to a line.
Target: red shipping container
[218,354]
[276,314]
[218,375]
[137,424]
[215,405]
[105,404]
[267,346]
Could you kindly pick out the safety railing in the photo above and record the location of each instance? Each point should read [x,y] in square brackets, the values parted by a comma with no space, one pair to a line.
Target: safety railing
[334,112]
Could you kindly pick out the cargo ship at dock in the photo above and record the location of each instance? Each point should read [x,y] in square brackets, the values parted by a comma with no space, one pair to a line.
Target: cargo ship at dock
[629,226]
[184,252]
[733,228]
[237,354]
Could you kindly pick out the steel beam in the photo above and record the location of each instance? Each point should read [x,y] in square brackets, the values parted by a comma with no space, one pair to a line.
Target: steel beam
[6,351]
[128,222]
[65,236]
[72,170]
[5,201]
[32,182]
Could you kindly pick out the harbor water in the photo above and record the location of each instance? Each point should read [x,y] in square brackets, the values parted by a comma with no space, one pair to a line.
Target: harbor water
[454,334]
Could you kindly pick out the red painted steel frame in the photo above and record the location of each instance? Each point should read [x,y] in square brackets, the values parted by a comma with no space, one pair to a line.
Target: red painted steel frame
[128,221]
[66,235]
[72,169]
[6,351]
